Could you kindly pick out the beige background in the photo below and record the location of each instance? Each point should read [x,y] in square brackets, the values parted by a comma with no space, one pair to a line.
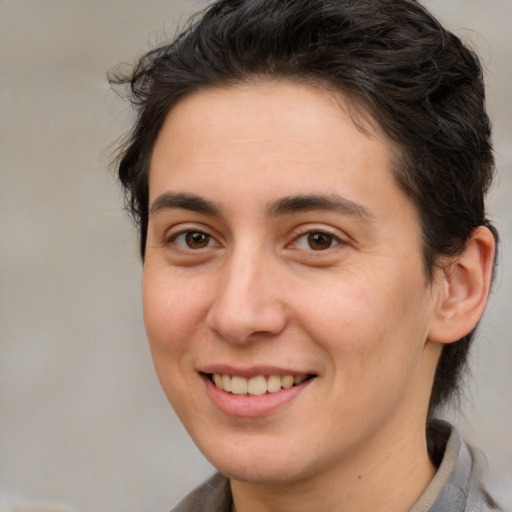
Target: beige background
[84,425]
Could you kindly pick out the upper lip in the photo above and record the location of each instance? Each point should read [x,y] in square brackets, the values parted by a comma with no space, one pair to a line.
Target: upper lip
[252,371]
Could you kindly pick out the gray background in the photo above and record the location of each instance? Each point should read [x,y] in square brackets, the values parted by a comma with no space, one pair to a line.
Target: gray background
[84,425]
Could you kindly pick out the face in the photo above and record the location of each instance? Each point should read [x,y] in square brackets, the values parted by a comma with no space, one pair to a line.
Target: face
[285,297]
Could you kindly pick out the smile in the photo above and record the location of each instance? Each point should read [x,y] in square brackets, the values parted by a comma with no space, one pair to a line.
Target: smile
[256,386]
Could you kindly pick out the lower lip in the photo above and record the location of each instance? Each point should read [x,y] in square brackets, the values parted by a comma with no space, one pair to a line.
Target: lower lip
[252,406]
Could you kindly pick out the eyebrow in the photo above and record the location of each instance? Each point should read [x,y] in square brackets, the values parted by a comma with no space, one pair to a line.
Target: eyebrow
[170,200]
[309,202]
[278,207]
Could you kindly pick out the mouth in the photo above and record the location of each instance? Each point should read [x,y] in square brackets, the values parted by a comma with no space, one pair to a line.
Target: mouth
[258,385]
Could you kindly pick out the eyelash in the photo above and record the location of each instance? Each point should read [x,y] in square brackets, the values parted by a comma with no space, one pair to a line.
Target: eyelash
[204,240]
[329,240]
[186,240]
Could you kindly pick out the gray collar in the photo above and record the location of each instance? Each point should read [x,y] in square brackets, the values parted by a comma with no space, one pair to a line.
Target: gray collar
[457,485]
[447,492]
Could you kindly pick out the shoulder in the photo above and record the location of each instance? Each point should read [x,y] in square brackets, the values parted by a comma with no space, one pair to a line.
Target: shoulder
[214,495]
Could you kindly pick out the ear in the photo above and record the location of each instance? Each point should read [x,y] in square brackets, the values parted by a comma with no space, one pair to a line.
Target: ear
[464,286]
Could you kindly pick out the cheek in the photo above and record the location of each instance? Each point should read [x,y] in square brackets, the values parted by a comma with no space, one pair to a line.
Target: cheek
[367,323]
[172,317]
[374,338]
[172,313]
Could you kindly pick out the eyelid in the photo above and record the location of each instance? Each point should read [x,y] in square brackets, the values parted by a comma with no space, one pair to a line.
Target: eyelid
[184,228]
[334,241]
[211,242]
[339,237]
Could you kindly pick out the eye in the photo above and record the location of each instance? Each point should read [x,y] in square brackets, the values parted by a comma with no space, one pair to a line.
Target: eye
[316,241]
[193,240]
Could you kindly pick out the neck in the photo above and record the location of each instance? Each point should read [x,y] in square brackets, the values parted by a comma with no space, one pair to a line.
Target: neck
[389,473]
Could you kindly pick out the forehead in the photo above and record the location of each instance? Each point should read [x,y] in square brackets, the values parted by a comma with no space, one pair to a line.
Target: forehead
[295,133]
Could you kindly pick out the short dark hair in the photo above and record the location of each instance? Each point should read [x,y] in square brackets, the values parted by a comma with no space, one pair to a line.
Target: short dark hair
[392,58]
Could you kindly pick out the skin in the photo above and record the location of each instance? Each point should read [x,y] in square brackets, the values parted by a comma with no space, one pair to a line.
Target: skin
[256,297]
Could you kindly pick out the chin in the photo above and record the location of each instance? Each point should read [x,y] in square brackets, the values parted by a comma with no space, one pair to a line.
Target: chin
[261,463]
[260,472]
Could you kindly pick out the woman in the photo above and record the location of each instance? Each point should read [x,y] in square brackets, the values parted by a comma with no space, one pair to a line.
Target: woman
[308,178]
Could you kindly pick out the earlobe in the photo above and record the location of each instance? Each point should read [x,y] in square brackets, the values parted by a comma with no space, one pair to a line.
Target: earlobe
[464,289]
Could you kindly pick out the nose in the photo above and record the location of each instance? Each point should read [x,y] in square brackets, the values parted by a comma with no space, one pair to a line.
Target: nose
[248,303]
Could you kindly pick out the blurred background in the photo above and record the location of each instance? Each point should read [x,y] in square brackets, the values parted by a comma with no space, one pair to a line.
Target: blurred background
[84,425]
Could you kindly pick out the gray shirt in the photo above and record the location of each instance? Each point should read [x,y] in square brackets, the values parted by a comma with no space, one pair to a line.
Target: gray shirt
[456,486]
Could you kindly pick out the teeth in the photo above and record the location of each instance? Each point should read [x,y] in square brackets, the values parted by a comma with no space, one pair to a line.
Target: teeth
[256,385]
[218,380]
[273,383]
[287,381]
[226,382]
[298,379]
[238,385]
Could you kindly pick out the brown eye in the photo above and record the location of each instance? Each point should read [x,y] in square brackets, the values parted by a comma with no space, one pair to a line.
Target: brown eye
[316,241]
[320,241]
[193,240]
[196,240]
